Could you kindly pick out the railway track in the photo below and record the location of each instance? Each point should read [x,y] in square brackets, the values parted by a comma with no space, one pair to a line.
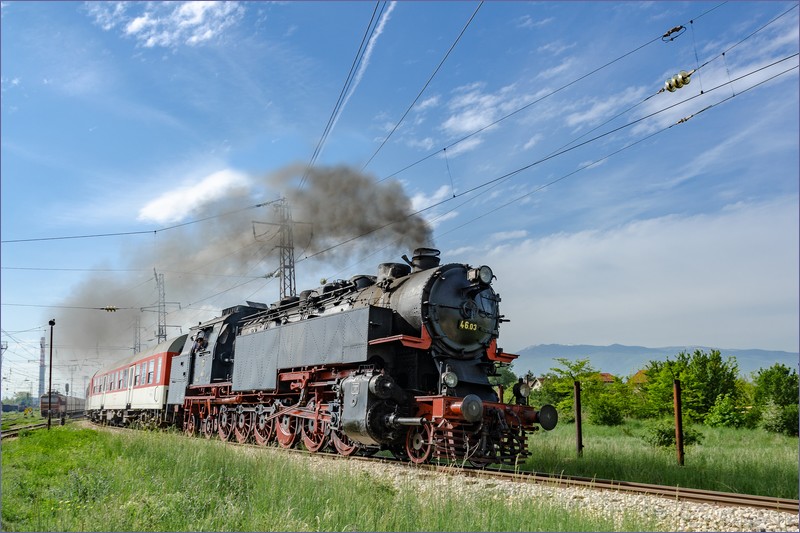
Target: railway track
[676,493]
[13,432]
[8,433]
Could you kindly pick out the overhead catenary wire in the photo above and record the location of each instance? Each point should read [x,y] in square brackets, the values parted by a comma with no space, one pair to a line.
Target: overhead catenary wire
[551,156]
[141,232]
[348,81]
[626,147]
[536,101]
[419,95]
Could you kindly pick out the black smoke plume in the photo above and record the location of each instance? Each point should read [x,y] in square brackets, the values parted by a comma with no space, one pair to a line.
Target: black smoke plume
[231,256]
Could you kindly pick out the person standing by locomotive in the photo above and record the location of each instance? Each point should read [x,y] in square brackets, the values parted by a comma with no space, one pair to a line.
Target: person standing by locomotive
[200,343]
[519,398]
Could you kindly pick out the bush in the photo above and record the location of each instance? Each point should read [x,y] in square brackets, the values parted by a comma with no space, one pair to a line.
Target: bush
[725,413]
[752,417]
[606,411]
[662,434]
[777,419]
[791,420]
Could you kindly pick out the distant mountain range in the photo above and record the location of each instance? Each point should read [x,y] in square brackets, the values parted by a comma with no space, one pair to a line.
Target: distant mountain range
[624,361]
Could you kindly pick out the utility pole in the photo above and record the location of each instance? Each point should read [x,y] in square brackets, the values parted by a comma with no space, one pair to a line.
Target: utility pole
[50,387]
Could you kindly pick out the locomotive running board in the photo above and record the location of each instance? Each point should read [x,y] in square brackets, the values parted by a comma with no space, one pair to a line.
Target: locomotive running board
[423,342]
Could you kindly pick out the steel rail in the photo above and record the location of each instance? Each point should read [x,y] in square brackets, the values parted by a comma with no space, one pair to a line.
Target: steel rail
[8,433]
[677,493]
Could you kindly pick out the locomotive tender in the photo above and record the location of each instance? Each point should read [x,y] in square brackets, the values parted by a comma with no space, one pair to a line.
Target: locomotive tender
[397,361]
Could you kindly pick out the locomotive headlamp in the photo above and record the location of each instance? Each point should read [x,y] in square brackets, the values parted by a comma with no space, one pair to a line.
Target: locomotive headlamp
[524,390]
[450,379]
[483,275]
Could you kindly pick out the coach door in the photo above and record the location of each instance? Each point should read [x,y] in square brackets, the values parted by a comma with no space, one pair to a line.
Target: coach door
[130,382]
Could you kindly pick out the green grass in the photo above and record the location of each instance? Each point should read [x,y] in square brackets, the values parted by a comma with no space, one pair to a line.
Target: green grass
[71,479]
[730,460]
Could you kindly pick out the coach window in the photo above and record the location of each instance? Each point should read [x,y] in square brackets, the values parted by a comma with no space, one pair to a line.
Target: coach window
[158,370]
[150,370]
[136,375]
[120,379]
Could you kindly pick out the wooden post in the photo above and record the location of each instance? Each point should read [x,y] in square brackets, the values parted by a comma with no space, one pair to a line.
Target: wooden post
[578,428]
[676,392]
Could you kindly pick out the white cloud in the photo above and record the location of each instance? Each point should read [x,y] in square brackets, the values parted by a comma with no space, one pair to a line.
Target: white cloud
[597,109]
[427,103]
[167,24]
[564,66]
[729,279]
[178,204]
[472,109]
[421,200]
[425,144]
[508,235]
[555,48]
[533,141]
[526,21]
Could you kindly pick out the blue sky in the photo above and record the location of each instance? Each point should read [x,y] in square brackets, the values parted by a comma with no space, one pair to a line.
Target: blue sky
[133,117]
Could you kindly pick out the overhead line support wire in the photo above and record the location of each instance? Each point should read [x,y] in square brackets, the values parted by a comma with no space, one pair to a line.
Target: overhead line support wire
[743,40]
[143,232]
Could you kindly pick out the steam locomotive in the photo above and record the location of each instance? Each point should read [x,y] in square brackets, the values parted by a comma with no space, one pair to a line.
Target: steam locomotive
[399,361]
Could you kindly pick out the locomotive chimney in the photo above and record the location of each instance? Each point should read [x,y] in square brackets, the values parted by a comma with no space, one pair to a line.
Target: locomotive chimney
[425,258]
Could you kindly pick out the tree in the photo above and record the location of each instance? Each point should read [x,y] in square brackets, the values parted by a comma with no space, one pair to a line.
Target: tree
[505,377]
[559,385]
[777,384]
[609,405]
[776,394]
[704,377]
[23,399]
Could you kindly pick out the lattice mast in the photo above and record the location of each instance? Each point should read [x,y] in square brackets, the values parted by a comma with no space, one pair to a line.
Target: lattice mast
[161,334]
[42,367]
[286,249]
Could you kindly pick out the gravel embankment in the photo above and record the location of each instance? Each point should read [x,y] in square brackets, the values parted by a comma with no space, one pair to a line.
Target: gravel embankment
[671,515]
